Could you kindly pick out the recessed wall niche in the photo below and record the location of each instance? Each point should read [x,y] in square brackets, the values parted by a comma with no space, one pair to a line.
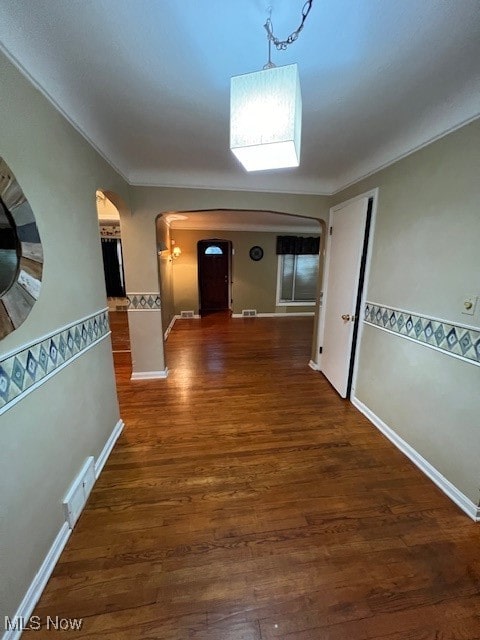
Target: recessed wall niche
[21,254]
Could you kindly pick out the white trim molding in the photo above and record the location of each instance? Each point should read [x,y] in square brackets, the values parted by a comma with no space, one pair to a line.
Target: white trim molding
[42,576]
[150,375]
[38,583]
[108,447]
[438,128]
[313,365]
[450,490]
[91,141]
[168,330]
[275,315]
[296,304]
[170,327]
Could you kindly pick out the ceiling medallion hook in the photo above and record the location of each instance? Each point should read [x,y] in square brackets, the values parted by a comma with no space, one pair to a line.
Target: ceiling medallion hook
[268,27]
[281,45]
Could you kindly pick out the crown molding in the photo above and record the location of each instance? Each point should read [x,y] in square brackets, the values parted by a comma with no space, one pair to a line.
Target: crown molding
[169,184]
[16,63]
[159,180]
[358,177]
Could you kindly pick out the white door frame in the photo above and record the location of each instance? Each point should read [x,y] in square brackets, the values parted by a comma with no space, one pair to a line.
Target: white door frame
[373,193]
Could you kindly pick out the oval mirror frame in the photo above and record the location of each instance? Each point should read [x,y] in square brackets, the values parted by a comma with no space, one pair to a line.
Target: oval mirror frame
[9,249]
[21,254]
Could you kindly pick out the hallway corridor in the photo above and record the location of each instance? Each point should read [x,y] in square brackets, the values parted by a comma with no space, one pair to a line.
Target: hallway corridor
[246,501]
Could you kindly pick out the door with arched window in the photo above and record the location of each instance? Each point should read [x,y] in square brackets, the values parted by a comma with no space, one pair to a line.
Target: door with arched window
[214,269]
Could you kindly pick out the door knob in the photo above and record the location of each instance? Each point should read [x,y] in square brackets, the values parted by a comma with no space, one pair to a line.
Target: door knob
[346,317]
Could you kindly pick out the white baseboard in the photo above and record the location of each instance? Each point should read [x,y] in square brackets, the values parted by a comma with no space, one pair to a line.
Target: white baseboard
[172,322]
[170,327]
[107,449]
[313,365]
[275,315]
[460,499]
[149,375]
[294,314]
[40,580]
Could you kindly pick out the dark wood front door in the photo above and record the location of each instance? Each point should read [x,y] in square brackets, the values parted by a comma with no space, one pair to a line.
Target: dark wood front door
[214,259]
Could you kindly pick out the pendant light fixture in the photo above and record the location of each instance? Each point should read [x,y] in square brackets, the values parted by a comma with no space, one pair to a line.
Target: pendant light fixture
[266,110]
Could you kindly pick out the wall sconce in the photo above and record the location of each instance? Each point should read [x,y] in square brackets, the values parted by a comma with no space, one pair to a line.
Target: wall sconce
[161,246]
[176,251]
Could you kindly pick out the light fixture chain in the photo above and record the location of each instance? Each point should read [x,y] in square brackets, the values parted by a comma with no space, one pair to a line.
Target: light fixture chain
[281,45]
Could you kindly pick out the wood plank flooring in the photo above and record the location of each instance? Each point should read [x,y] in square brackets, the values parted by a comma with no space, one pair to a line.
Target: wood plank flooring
[246,501]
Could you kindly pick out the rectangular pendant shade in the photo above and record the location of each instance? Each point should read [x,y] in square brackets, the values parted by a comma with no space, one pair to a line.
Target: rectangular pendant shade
[266,118]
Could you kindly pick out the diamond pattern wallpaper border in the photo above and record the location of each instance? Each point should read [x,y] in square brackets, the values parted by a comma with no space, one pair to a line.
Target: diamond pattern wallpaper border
[453,339]
[23,370]
[143,301]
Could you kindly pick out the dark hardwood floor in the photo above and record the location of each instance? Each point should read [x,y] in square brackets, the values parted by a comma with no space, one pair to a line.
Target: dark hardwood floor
[246,501]
[119,327]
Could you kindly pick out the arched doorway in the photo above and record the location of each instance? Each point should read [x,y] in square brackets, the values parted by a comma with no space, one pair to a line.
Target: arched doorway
[255,263]
[113,265]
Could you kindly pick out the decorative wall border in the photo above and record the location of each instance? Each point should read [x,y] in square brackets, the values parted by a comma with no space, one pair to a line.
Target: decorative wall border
[23,370]
[459,341]
[143,301]
[110,230]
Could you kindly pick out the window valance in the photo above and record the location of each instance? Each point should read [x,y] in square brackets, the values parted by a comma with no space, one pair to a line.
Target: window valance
[298,245]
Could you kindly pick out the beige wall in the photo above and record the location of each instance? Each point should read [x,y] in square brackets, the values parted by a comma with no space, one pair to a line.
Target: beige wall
[425,259]
[45,438]
[148,202]
[254,283]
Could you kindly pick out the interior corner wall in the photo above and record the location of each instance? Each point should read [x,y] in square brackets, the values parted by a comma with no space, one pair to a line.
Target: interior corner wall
[47,435]
[165,269]
[426,260]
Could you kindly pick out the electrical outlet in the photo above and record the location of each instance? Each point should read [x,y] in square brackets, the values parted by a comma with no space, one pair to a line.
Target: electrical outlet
[469,305]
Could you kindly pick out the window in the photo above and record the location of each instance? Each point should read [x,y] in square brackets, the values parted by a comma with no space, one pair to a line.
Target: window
[213,251]
[297,279]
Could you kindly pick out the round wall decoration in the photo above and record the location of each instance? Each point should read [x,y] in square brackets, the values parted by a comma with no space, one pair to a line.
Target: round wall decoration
[256,253]
[21,255]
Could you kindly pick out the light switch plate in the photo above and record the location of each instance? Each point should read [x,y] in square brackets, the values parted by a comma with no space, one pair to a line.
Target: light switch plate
[469,305]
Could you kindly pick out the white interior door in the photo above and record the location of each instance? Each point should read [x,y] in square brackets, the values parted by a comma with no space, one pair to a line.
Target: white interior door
[342,276]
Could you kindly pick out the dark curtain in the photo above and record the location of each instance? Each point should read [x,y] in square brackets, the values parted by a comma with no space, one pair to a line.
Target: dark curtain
[111,266]
[297,246]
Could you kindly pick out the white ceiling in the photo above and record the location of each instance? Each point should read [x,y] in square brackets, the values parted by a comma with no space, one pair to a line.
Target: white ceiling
[147,81]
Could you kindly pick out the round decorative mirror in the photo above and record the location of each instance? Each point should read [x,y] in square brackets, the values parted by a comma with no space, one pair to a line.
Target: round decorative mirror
[21,255]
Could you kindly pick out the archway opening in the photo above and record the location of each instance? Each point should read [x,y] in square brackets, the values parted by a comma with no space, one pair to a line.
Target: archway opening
[113,270]
[264,282]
